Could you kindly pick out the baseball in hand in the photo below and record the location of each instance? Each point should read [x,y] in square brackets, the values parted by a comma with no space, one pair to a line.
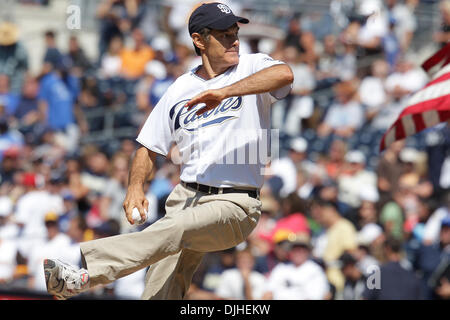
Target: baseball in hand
[137,216]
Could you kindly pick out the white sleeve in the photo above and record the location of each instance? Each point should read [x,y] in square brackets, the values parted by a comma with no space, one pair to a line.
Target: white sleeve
[262,61]
[156,134]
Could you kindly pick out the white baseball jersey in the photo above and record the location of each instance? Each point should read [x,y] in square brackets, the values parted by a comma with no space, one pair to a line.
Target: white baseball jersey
[224,147]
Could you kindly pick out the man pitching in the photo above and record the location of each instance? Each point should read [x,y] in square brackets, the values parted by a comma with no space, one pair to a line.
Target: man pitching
[216,205]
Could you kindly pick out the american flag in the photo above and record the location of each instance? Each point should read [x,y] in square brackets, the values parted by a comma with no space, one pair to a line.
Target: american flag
[427,107]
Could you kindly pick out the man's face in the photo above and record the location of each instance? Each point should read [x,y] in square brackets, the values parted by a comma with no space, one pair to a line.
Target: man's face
[445,235]
[223,47]
[298,255]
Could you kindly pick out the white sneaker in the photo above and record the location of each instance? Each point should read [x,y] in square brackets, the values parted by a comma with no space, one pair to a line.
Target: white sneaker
[63,280]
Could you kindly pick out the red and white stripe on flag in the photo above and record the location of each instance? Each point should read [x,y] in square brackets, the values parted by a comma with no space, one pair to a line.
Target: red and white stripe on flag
[428,106]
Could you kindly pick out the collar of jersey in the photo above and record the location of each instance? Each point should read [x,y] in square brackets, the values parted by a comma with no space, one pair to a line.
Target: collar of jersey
[212,79]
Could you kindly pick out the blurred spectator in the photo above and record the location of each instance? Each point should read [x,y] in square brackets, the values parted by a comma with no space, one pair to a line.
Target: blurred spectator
[57,104]
[52,54]
[115,190]
[388,171]
[339,235]
[8,253]
[335,64]
[391,44]
[301,279]
[155,74]
[442,36]
[395,281]
[355,176]
[405,79]
[117,18]
[405,21]
[212,276]
[434,262]
[294,32]
[336,120]
[70,211]
[299,104]
[9,138]
[13,56]
[111,63]
[242,282]
[368,228]
[433,225]
[355,281]
[31,209]
[27,112]
[8,228]
[373,28]
[135,58]
[335,161]
[77,58]
[372,90]
[9,167]
[285,167]
[8,100]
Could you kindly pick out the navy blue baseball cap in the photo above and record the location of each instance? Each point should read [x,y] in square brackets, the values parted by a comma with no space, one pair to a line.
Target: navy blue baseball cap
[214,15]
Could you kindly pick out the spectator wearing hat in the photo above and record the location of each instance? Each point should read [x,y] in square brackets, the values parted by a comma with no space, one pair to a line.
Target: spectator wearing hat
[396,281]
[336,119]
[301,278]
[433,260]
[355,281]
[339,235]
[13,56]
[242,282]
[354,178]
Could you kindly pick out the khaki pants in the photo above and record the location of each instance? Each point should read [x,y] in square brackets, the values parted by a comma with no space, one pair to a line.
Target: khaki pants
[194,224]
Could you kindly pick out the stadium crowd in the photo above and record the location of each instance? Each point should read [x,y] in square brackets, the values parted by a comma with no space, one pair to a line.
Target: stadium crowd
[339,219]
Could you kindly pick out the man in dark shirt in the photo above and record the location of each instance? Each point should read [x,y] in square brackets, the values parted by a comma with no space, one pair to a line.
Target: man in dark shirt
[396,282]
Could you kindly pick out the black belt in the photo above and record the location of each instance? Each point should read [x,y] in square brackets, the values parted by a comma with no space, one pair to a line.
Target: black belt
[254,193]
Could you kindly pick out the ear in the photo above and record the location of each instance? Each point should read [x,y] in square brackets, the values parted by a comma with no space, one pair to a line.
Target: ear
[198,40]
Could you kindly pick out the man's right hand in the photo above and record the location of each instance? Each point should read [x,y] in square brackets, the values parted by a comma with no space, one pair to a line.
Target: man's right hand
[135,199]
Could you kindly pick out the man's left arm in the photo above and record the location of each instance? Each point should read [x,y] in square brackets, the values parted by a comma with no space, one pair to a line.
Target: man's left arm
[267,80]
